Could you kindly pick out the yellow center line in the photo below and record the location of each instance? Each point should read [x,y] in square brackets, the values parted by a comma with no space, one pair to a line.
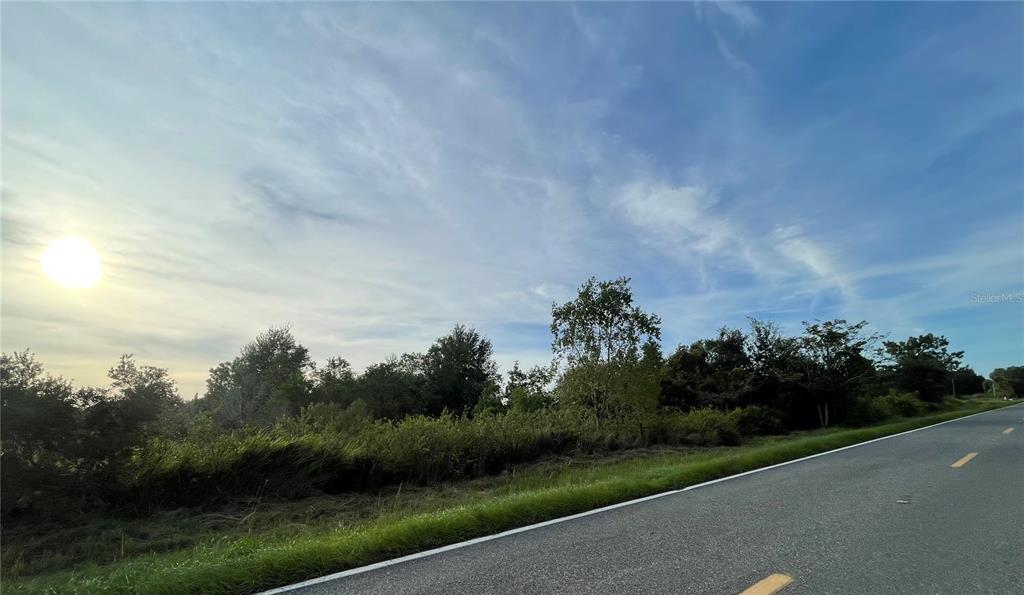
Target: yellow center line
[767,586]
[965,459]
[1007,430]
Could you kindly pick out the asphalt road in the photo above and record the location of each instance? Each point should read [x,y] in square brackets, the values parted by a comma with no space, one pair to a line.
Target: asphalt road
[893,516]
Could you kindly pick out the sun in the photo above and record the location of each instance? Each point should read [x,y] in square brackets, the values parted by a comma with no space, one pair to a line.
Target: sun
[72,262]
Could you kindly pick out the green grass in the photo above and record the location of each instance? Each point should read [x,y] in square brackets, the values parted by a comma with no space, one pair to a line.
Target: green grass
[291,541]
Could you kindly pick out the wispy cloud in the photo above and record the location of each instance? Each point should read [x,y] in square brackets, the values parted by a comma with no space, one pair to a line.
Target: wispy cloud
[740,13]
[736,16]
[687,224]
[374,174]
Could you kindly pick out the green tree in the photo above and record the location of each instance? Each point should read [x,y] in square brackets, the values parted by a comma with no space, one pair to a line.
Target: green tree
[682,377]
[59,442]
[457,370]
[39,431]
[1008,382]
[529,390]
[834,364]
[709,373]
[141,403]
[393,389]
[39,412]
[265,382]
[335,382]
[147,396]
[776,374]
[599,336]
[924,365]
[968,382]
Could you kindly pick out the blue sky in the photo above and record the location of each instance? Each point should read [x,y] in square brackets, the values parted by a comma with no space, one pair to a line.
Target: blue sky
[373,174]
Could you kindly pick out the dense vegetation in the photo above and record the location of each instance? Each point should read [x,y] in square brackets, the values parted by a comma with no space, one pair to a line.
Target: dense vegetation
[261,543]
[272,422]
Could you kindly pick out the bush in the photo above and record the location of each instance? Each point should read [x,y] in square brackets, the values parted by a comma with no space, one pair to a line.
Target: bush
[757,420]
[868,410]
[902,404]
[700,427]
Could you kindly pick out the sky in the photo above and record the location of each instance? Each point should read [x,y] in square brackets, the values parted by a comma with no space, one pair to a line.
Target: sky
[374,174]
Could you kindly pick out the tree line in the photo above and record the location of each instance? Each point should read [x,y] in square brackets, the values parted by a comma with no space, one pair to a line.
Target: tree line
[608,371]
[608,360]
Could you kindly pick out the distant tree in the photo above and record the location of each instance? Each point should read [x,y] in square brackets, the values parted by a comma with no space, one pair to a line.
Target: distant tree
[640,385]
[491,402]
[457,370]
[39,417]
[599,336]
[39,412]
[728,369]
[393,389]
[777,368]
[265,382]
[141,403]
[968,382]
[727,351]
[335,382]
[770,351]
[147,395]
[39,430]
[60,442]
[682,377]
[1008,382]
[529,390]
[834,364]
[709,373]
[924,365]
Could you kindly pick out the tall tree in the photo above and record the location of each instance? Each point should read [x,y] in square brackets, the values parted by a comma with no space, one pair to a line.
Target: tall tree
[61,442]
[834,363]
[528,390]
[266,381]
[709,373]
[924,365]
[334,382]
[393,388]
[147,397]
[457,369]
[141,403]
[1008,382]
[599,336]
[776,373]
[682,377]
[968,382]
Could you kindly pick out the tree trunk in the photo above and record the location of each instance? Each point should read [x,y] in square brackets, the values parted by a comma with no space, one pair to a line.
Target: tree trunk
[822,407]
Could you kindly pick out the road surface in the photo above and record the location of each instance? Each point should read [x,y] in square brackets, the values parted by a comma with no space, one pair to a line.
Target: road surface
[915,513]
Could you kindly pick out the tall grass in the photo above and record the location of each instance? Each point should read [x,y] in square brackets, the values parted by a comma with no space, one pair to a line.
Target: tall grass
[329,451]
[297,458]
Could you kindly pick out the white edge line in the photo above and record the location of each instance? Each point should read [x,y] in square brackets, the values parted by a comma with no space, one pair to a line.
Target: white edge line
[467,543]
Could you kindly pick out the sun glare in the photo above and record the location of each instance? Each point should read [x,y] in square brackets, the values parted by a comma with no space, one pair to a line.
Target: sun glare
[72,262]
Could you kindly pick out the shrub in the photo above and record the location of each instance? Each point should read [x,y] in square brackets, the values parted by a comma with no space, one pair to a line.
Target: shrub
[757,420]
[901,404]
[869,410]
[700,427]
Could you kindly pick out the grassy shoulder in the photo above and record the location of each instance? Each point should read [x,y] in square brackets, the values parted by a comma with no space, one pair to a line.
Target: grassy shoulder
[271,544]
